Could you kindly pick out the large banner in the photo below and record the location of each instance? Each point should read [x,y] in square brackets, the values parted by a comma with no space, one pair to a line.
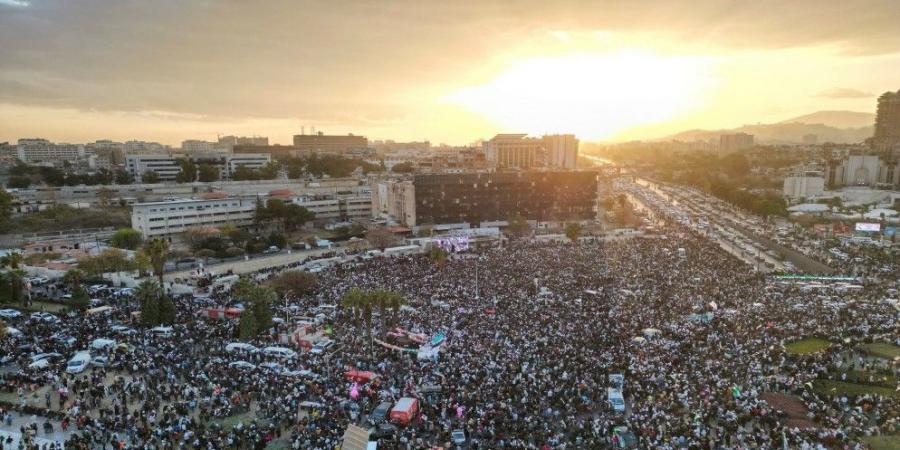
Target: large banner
[453,244]
[868,227]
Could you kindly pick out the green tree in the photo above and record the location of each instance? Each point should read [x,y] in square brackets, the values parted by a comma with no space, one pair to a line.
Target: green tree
[80,299]
[404,167]
[518,226]
[381,238]
[295,216]
[127,238]
[257,303]
[157,251]
[207,173]
[573,231]
[12,260]
[73,277]
[296,282]
[6,201]
[188,173]
[123,177]
[150,177]
[18,182]
[105,197]
[167,311]
[247,328]
[149,294]
[438,256]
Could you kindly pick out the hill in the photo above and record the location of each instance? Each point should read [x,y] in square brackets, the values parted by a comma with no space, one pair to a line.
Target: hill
[840,127]
[837,119]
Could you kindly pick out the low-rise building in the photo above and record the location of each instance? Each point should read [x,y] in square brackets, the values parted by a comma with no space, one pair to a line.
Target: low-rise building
[166,167]
[176,216]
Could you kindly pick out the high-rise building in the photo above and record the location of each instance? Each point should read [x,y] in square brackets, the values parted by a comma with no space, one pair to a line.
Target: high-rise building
[488,197]
[321,143]
[729,143]
[887,125]
[514,151]
[561,150]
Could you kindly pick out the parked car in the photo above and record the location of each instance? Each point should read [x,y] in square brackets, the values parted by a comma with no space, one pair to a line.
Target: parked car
[242,365]
[79,362]
[279,352]
[44,317]
[458,437]
[9,314]
[235,347]
[380,413]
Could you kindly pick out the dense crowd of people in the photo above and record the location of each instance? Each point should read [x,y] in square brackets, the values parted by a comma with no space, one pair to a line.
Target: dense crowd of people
[698,335]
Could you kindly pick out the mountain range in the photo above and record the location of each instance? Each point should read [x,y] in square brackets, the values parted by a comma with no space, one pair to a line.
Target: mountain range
[840,127]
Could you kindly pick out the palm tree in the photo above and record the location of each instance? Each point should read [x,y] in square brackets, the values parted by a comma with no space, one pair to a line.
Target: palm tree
[149,294]
[73,277]
[354,300]
[157,250]
[11,260]
[17,285]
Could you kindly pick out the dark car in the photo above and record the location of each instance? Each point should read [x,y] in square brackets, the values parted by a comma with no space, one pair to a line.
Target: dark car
[379,414]
[384,431]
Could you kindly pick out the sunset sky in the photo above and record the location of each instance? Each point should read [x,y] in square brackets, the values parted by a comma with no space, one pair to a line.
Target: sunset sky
[448,71]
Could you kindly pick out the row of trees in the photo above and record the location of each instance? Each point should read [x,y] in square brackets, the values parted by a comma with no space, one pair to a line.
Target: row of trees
[361,303]
[26,175]
[285,216]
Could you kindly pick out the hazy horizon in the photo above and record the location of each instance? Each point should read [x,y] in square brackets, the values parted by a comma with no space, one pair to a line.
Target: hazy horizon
[453,73]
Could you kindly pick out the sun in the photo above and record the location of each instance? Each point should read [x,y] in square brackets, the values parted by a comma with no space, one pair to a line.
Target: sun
[594,95]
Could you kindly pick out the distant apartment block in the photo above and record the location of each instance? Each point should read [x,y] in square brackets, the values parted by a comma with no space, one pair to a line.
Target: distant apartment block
[228,143]
[320,143]
[37,151]
[142,147]
[195,146]
[729,143]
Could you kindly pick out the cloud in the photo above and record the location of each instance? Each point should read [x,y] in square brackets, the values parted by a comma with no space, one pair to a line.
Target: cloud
[15,3]
[841,93]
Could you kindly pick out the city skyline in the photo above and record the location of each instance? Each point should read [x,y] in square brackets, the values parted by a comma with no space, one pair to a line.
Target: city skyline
[171,71]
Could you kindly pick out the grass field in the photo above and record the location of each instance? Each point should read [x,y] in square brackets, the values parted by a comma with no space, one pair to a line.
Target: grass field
[831,388]
[883,442]
[882,350]
[806,346]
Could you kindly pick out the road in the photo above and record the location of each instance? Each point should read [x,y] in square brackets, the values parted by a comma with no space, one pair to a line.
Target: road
[254,264]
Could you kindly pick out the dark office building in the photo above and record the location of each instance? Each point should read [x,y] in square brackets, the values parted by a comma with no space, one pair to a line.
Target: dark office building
[320,143]
[479,197]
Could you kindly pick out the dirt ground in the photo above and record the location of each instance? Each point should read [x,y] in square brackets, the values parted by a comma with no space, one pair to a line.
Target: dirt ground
[789,405]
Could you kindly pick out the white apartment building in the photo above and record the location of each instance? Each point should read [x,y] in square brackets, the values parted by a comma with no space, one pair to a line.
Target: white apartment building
[176,216]
[142,147]
[195,146]
[337,207]
[32,151]
[166,166]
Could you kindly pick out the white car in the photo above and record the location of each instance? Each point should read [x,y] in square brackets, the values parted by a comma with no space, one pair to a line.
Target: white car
[279,352]
[10,314]
[321,347]
[242,365]
[79,362]
[272,367]
[103,344]
[122,330]
[162,331]
[240,347]
[45,317]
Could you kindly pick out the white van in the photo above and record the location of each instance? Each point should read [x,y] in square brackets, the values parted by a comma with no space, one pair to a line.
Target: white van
[79,362]
[240,347]
[162,331]
[279,352]
[102,344]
